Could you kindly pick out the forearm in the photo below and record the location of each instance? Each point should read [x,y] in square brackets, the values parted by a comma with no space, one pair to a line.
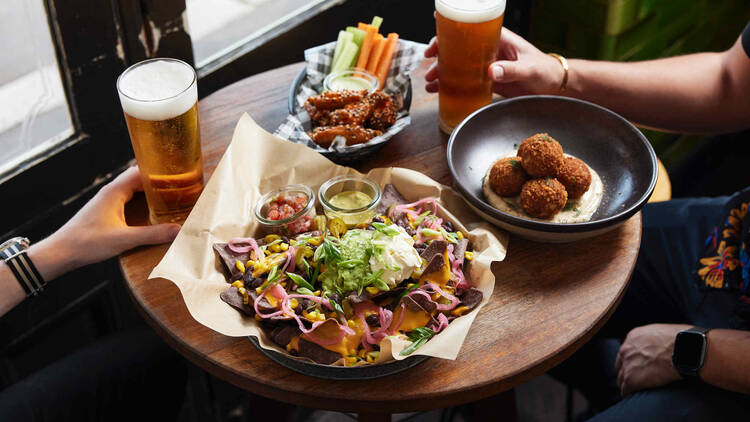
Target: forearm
[726,365]
[49,257]
[696,93]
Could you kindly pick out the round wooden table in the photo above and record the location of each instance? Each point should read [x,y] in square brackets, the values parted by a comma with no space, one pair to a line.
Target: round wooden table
[548,301]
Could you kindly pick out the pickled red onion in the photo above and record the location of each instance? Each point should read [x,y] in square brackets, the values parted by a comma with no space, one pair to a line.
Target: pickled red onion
[443,320]
[454,300]
[252,245]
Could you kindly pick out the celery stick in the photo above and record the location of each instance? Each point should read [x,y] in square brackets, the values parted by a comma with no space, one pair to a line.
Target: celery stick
[344,37]
[376,21]
[346,57]
[359,35]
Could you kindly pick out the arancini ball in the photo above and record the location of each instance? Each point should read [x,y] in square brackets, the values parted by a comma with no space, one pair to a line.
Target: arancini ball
[575,176]
[541,155]
[507,176]
[543,198]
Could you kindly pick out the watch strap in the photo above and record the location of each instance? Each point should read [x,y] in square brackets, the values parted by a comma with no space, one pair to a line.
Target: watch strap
[15,256]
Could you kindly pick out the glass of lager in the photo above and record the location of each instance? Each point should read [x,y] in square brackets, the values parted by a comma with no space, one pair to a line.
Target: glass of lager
[468,33]
[159,98]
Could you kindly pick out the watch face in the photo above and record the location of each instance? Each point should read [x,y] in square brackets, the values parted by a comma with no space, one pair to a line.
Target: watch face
[688,349]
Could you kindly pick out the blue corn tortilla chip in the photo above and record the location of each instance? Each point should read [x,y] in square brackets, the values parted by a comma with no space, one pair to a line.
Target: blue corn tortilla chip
[471,299]
[317,353]
[459,250]
[229,258]
[436,247]
[390,196]
[234,298]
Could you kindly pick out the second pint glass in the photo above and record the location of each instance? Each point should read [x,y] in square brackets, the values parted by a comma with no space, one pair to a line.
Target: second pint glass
[468,34]
[159,98]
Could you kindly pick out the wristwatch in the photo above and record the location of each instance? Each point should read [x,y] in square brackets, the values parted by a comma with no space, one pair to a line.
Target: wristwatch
[13,252]
[690,351]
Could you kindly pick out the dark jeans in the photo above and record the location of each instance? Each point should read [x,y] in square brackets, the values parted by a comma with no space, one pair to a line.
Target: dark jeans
[662,290]
[130,376]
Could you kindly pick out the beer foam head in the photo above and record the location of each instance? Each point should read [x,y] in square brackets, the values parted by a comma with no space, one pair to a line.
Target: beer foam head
[157,89]
[470,11]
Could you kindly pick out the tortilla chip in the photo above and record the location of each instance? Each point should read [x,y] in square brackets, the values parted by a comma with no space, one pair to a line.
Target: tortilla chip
[420,302]
[471,298]
[436,264]
[229,259]
[317,353]
[437,247]
[283,334]
[459,251]
[390,196]
[234,298]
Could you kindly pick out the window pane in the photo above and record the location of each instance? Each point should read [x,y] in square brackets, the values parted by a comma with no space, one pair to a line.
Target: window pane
[33,113]
[217,26]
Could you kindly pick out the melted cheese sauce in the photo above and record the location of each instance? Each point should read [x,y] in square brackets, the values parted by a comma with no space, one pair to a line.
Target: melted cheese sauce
[575,211]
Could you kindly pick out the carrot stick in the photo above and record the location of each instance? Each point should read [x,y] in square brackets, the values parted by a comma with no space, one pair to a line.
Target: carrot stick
[384,64]
[363,26]
[378,46]
[364,53]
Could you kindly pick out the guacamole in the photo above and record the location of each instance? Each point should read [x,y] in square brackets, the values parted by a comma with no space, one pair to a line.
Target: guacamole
[353,270]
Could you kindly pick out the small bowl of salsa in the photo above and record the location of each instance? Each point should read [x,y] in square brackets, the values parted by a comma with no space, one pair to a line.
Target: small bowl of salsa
[287,211]
[355,79]
[350,198]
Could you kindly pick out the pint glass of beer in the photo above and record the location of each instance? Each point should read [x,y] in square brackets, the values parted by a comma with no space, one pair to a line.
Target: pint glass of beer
[468,34]
[159,98]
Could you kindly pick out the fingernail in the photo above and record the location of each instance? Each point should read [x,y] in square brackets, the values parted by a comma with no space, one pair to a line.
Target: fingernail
[174,230]
[497,72]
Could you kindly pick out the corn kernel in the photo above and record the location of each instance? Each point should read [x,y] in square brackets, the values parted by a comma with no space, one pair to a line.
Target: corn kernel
[284,246]
[243,291]
[370,359]
[316,293]
[238,284]
[250,263]
[267,252]
[271,237]
[459,311]
[258,290]
[372,290]
[240,266]
[293,303]
[469,255]
[460,234]
[315,241]
[351,323]
[289,347]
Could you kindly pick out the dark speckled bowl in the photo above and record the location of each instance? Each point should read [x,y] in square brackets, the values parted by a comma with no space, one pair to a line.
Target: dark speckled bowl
[609,144]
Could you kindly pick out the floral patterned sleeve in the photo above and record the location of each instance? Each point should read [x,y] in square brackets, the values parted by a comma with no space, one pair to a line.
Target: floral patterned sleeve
[724,262]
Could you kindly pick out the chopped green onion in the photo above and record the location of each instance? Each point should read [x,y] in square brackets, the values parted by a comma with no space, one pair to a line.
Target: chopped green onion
[304,291]
[385,229]
[418,336]
[430,232]
[301,282]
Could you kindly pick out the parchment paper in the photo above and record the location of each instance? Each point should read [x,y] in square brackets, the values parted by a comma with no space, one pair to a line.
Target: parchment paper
[256,162]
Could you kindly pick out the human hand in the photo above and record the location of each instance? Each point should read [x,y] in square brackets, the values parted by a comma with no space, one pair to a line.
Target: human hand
[520,68]
[98,231]
[645,357]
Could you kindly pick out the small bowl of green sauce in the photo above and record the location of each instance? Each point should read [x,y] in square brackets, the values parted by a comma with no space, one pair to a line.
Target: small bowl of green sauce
[350,198]
[354,79]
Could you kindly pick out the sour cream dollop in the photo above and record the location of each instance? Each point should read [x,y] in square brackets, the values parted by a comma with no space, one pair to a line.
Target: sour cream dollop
[395,255]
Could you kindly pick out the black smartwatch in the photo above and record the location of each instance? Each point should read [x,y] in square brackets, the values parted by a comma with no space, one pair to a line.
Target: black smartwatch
[13,252]
[690,351]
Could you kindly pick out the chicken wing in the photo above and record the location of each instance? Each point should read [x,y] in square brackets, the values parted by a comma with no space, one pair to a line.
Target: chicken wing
[331,100]
[325,135]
